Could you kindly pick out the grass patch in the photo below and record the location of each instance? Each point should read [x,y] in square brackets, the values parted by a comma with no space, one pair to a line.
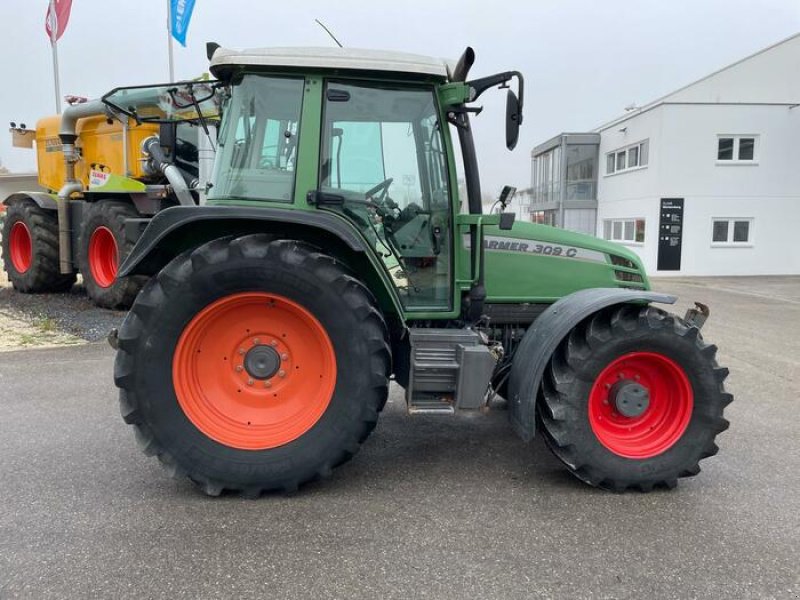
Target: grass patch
[45,324]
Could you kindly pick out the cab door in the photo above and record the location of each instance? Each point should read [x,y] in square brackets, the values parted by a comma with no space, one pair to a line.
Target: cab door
[382,154]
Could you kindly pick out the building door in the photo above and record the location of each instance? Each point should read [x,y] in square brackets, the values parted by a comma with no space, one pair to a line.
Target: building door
[670,234]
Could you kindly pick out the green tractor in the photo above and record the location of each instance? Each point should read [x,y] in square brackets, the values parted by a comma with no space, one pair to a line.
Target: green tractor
[335,255]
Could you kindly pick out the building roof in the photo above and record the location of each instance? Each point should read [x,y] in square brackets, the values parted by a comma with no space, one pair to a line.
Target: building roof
[17,176]
[351,59]
[753,79]
[571,138]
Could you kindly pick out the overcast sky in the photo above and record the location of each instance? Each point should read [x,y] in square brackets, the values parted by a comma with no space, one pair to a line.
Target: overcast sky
[583,60]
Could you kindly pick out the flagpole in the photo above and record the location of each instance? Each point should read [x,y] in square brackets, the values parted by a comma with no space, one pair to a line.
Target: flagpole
[54,44]
[169,41]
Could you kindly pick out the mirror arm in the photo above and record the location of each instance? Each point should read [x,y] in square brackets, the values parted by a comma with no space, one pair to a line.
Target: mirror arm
[478,86]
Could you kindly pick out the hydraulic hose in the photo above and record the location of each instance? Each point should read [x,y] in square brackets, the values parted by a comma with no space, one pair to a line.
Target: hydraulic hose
[152,147]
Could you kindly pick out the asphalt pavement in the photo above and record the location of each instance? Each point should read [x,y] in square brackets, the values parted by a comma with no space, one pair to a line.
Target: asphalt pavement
[432,507]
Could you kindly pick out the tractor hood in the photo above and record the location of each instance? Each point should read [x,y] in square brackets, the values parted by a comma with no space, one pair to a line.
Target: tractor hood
[539,263]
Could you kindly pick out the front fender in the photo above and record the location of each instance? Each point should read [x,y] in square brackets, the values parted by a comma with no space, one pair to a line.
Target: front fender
[545,335]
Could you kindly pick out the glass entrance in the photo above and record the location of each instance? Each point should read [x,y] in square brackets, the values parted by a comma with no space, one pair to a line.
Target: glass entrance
[382,152]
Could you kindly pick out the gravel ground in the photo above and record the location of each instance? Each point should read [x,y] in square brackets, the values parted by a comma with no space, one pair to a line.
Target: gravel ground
[71,316]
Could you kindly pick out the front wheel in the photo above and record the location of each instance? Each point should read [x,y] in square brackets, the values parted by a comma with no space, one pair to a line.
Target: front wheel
[253,364]
[633,398]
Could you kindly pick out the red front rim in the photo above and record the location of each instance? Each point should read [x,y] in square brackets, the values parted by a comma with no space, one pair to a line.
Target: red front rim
[20,247]
[103,257]
[664,420]
[220,395]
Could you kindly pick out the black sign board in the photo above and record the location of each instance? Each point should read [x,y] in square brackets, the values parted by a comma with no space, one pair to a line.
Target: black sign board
[670,234]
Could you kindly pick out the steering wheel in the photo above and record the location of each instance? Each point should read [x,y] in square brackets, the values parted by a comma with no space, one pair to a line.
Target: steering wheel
[382,187]
[383,204]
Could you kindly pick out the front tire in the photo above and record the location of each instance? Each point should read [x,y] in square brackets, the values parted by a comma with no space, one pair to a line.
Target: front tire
[633,398]
[253,364]
[30,249]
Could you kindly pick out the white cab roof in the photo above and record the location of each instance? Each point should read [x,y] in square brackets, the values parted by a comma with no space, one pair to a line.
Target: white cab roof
[333,58]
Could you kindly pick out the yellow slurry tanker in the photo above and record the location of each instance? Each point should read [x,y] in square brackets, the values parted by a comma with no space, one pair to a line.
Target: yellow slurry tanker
[100,166]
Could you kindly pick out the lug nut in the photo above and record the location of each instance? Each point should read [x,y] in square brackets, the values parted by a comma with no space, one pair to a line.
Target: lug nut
[239,368]
[256,341]
[281,373]
[250,382]
[241,351]
[267,384]
[284,357]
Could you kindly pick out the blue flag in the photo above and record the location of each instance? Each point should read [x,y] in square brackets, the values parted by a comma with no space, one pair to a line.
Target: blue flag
[181,14]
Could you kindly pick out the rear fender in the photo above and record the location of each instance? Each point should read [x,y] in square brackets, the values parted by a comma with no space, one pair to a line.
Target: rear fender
[545,335]
[180,228]
[42,199]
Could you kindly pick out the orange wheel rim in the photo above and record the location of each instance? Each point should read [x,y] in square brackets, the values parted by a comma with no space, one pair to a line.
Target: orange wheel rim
[254,371]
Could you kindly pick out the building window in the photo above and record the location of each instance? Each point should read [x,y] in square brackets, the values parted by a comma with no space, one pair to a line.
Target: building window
[544,217]
[624,230]
[734,149]
[630,157]
[732,232]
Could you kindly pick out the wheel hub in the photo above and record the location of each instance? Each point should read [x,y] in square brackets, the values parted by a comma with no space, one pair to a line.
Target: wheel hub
[631,399]
[262,362]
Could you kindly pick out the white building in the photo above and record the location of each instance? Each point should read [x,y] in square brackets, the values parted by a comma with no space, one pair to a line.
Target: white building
[17,182]
[704,181]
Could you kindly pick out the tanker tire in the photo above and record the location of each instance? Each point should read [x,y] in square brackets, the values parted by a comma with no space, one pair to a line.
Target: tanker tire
[563,405]
[110,214]
[152,332]
[43,274]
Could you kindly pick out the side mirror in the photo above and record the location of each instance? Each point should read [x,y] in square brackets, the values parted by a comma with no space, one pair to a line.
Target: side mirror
[513,120]
[507,194]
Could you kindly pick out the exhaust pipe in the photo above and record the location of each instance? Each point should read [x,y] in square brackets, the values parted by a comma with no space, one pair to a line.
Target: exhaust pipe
[68,135]
[152,147]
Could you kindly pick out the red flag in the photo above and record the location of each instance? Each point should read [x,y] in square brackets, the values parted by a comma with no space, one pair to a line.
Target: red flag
[56,21]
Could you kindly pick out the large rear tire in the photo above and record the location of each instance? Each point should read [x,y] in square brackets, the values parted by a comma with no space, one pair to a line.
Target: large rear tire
[253,364]
[30,249]
[633,398]
[103,247]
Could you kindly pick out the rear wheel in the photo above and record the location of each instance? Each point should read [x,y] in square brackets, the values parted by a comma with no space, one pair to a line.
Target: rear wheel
[103,247]
[253,364]
[633,399]
[30,249]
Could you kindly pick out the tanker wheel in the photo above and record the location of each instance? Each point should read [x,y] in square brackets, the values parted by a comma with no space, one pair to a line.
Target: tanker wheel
[103,247]
[633,398]
[30,249]
[253,364]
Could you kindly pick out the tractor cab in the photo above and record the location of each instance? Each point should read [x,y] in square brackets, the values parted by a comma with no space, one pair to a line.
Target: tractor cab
[364,135]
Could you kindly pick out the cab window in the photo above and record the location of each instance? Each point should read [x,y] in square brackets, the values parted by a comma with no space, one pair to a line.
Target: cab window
[257,152]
